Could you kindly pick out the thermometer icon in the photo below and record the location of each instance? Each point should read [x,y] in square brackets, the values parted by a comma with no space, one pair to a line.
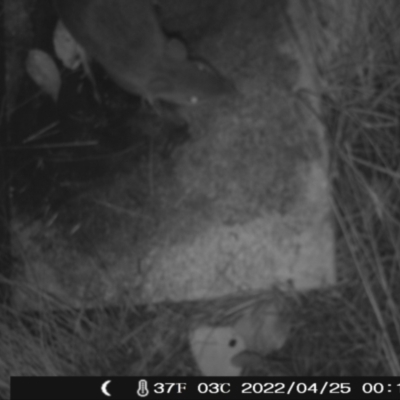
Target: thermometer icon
[142,391]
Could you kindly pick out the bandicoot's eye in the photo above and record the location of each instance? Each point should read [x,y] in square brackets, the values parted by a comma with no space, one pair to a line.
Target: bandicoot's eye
[203,67]
[194,100]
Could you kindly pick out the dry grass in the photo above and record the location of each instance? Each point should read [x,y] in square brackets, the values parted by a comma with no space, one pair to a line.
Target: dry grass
[352,329]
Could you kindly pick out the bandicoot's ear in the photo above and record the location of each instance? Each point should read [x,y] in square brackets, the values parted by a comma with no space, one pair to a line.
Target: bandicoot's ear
[176,49]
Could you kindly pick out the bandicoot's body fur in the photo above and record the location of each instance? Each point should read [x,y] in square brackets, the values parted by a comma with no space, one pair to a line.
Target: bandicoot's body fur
[125,37]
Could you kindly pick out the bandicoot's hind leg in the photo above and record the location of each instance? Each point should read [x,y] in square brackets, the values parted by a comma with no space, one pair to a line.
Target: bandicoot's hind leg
[72,54]
[89,73]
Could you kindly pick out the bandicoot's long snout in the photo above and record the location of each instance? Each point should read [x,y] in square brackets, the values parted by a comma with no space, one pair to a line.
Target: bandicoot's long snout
[125,37]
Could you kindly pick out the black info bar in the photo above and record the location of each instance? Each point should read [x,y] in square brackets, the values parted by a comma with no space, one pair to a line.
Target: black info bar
[237,388]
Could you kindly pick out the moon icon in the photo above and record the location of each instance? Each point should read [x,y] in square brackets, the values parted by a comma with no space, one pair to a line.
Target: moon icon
[104,388]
